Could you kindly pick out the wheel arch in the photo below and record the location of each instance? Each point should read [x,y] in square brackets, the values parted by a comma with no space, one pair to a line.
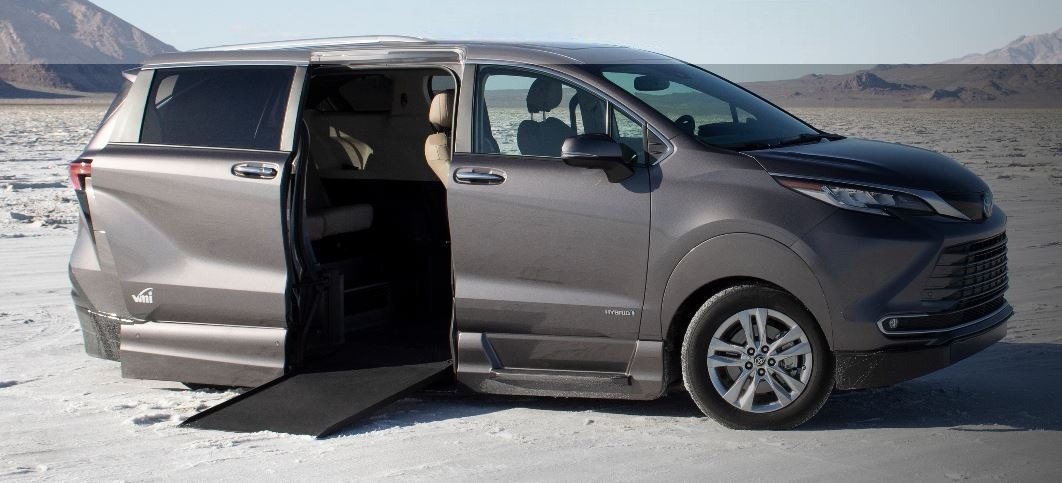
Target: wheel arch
[733,259]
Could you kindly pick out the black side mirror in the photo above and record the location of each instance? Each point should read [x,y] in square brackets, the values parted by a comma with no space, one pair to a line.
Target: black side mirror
[597,151]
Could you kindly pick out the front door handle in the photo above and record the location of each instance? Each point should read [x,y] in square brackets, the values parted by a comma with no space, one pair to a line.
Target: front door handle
[485,176]
[255,170]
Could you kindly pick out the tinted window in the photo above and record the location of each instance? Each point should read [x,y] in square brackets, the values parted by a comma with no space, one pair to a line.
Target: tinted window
[230,107]
[523,113]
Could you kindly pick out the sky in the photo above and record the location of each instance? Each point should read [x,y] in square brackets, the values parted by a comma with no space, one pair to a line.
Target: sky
[713,32]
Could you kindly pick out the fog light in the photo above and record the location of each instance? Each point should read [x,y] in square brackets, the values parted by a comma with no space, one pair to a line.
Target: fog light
[893,324]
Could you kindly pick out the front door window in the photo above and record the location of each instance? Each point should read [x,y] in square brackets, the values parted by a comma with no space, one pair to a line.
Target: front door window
[523,113]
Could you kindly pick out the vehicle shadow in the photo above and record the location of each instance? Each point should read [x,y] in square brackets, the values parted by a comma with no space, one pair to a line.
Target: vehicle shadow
[1008,387]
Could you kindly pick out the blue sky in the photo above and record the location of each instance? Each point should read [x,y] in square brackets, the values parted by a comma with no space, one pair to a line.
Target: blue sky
[705,31]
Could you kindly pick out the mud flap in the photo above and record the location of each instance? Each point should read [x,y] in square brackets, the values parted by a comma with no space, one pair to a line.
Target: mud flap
[319,402]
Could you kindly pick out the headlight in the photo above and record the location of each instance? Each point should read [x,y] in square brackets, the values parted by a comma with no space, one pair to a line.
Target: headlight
[866,200]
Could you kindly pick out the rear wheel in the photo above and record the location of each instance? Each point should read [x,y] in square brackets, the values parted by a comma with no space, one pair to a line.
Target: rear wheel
[754,358]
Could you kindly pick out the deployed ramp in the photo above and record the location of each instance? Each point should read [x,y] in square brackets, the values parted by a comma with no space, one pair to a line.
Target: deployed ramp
[320,402]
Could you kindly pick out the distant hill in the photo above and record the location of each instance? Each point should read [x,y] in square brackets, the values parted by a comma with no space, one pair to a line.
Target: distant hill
[1025,73]
[1027,49]
[69,44]
[8,91]
[929,85]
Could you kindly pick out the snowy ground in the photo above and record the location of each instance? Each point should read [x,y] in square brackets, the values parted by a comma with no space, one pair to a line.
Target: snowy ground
[66,416]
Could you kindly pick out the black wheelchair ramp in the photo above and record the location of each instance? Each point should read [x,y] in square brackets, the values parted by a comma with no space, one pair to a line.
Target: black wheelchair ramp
[324,400]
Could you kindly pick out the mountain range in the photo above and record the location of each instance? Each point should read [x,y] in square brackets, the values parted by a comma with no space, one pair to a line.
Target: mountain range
[68,44]
[926,85]
[1027,49]
[1025,73]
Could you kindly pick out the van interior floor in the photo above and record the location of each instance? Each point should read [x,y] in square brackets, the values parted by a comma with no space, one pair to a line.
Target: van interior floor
[332,393]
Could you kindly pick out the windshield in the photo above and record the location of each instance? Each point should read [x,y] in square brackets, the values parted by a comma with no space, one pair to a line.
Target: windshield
[710,109]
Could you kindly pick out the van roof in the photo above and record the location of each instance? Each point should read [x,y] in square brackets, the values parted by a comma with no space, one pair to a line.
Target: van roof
[321,50]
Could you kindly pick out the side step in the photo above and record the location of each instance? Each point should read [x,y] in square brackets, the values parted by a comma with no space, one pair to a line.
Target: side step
[562,377]
[320,402]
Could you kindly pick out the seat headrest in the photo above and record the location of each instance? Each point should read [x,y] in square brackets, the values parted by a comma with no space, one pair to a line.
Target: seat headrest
[544,95]
[441,112]
[371,93]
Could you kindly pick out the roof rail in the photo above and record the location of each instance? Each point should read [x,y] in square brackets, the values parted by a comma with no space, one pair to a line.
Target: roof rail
[323,42]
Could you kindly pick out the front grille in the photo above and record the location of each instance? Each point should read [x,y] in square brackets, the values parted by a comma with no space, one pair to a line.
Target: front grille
[968,275]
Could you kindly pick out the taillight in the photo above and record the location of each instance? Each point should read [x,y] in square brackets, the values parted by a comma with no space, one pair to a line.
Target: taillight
[79,170]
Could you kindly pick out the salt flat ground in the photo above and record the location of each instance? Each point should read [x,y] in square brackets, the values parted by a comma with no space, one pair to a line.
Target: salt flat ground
[65,416]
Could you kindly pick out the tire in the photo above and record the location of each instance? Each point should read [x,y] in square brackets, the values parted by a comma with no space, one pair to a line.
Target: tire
[787,393]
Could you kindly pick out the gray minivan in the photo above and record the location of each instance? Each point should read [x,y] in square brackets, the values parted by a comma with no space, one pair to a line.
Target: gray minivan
[552,219]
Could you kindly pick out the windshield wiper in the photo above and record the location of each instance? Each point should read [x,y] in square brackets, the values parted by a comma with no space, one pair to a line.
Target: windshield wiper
[809,138]
[801,139]
[746,146]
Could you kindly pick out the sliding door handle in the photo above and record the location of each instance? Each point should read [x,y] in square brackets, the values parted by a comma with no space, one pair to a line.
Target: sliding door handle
[255,170]
[485,176]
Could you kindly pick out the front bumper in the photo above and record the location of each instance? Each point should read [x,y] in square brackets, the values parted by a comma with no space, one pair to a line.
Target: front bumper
[872,268]
[867,369]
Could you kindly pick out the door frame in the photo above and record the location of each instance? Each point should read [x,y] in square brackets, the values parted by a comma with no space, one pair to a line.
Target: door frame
[305,276]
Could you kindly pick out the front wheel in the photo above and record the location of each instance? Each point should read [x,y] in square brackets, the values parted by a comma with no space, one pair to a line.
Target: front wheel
[754,358]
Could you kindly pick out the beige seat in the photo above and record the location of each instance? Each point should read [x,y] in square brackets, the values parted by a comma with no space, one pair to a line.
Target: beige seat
[335,150]
[357,151]
[323,219]
[337,144]
[437,146]
[338,220]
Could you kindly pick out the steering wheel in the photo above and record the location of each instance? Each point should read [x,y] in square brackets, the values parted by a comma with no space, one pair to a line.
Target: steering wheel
[686,123]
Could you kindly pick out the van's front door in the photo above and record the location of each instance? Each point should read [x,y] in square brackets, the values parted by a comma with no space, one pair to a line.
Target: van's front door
[549,259]
[188,202]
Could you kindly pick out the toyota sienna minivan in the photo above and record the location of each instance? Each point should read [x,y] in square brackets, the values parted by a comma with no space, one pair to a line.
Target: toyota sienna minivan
[555,219]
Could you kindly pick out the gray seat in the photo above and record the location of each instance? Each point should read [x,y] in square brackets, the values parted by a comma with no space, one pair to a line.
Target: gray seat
[545,137]
[437,146]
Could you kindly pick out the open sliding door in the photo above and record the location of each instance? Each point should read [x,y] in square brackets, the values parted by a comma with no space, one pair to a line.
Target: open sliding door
[189,200]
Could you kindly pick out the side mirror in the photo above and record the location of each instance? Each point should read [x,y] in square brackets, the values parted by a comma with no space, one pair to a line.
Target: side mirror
[597,151]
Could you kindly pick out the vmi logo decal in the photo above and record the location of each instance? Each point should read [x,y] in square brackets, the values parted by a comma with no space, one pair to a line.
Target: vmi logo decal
[147,296]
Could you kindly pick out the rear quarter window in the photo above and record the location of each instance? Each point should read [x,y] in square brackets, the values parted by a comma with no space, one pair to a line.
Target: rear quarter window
[222,107]
[440,83]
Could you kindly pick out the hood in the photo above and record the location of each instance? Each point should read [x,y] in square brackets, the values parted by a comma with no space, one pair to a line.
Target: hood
[874,163]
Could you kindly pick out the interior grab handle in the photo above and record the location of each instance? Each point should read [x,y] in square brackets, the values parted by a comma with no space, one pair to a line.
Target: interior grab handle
[255,170]
[485,176]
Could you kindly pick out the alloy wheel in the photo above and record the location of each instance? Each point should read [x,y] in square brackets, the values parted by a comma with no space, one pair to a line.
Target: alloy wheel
[760,360]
